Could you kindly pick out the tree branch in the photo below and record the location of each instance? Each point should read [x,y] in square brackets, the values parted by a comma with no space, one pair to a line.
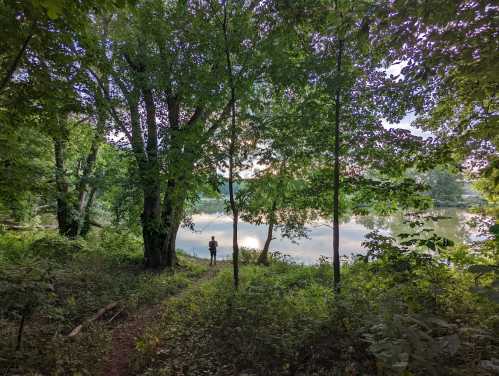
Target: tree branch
[110,107]
[221,118]
[198,114]
[15,63]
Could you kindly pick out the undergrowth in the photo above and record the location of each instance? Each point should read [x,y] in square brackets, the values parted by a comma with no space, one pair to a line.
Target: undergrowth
[49,285]
[285,319]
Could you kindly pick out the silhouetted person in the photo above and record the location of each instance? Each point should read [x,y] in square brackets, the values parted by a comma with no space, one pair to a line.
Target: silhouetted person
[212,246]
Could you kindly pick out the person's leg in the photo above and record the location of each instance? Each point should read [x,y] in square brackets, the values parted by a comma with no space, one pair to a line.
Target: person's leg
[211,257]
[215,257]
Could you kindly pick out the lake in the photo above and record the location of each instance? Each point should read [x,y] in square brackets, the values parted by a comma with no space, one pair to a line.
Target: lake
[308,251]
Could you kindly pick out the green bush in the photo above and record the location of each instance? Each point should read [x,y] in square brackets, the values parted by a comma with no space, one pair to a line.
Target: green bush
[55,247]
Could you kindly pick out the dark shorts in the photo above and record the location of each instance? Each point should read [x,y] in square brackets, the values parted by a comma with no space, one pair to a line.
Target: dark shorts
[213,252]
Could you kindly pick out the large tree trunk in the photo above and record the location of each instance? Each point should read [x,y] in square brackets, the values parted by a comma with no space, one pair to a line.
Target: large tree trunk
[336,184]
[152,231]
[173,210]
[152,226]
[65,219]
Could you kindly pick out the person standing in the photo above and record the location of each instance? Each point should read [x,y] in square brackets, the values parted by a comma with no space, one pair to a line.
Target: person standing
[212,246]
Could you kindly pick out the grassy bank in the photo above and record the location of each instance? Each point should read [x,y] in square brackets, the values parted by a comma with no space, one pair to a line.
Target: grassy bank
[57,284]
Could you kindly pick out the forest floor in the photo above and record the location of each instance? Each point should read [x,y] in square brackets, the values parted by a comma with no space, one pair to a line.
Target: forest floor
[285,319]
[84,302]
[126,334]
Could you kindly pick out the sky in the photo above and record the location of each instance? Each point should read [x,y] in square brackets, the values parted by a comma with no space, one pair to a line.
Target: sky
[405,123]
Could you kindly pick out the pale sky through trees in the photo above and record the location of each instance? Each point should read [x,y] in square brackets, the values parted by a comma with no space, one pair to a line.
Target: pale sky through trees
[405,123]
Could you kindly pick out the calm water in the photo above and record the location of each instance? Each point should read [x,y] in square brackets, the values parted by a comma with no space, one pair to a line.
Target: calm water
[352,234]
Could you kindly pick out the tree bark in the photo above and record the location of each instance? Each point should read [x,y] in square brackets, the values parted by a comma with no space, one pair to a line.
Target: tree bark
[149,178]
[235,220]
[152,225]
[152,231]
[263,259]
[87,221]
[173,208]
[65,220]
[85,189]
[336,183]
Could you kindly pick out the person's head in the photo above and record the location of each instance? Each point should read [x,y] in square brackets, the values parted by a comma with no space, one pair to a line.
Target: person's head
[212,238]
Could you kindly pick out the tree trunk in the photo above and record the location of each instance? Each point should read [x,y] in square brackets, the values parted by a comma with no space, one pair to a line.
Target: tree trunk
[85,188]
[232,150]
[235,220]
[233,205]
[152,229]
[336,183]
[152,226]
[169,243]
[85,228]
[263,259]
[173,209]
[66,223]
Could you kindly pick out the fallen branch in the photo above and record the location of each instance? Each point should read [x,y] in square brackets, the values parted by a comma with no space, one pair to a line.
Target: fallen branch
[116,315]
[18,227]
[95,317]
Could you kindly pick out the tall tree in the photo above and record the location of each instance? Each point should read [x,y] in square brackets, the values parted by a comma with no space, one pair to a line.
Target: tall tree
[232,143]
[336,153]
[167,98]
[349,94]
[449,50]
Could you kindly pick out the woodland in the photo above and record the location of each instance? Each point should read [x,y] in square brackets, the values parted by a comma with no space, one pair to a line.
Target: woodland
[120,119]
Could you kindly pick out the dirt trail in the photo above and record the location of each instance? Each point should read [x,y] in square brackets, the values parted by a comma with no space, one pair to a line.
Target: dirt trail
[125,335]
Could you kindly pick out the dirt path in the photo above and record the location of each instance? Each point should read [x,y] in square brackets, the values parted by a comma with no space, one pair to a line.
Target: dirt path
[125,335]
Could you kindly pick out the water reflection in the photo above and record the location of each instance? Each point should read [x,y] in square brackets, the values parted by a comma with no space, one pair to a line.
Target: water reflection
[352,234]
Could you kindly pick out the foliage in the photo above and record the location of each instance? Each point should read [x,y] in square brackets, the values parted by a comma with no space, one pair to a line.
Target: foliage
[279,199]
[57,284]
[451,84]
[115,114]
[285,319]
[445,189]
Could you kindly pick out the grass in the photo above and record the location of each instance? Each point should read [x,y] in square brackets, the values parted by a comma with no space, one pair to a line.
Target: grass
[58,284]
[286,320]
